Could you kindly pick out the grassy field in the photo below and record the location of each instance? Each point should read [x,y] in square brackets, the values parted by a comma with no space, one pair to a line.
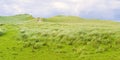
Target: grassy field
[58,38]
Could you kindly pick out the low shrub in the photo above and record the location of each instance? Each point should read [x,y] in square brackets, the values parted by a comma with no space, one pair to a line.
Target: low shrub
[2,32]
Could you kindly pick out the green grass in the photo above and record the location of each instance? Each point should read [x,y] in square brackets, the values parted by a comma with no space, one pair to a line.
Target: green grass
[73,19]
[15,19]
[60,38]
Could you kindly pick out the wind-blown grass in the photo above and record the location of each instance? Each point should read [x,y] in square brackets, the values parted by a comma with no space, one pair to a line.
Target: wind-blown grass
[63,40]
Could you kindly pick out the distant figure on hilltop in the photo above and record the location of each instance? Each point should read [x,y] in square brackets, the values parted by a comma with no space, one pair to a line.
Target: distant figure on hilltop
[39,19]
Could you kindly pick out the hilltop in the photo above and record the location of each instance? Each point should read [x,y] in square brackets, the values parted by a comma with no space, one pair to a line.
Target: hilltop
[20,18]
[16,18]
[72,19]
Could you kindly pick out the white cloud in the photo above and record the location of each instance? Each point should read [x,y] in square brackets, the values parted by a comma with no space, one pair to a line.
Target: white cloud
[114,4]
[15,9]
[18,9]
[25,1]
[60,5]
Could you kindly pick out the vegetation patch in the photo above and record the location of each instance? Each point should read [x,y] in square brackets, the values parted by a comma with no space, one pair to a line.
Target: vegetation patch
[59,38]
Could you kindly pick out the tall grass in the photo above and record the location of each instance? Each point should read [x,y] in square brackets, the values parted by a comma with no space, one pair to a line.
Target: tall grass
[60,38]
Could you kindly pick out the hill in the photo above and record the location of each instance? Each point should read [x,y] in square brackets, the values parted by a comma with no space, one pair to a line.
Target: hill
[60,38]
[74,19]
[16,19]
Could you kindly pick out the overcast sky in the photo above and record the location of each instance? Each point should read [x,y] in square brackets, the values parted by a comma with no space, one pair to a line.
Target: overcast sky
[100,9]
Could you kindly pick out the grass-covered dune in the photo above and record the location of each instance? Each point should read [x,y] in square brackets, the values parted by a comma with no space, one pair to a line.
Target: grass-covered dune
[16,19]
[74,19]
[58,38]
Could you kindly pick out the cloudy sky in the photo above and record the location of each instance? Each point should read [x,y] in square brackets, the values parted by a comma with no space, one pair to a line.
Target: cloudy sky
[99,9]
